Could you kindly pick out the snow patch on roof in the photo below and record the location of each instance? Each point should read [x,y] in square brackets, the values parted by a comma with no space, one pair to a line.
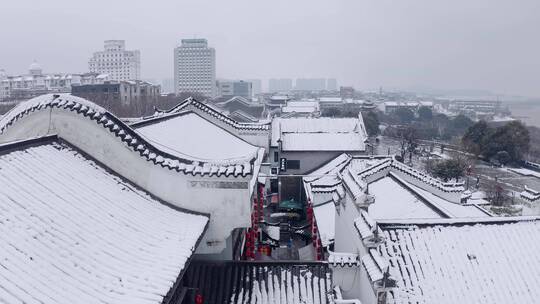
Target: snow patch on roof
[325,215]
[319,134]
[393,201]
[193,136]
[475,263]
[71,232]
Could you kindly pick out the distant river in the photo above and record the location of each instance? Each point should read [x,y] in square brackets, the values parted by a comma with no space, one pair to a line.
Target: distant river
[528,113]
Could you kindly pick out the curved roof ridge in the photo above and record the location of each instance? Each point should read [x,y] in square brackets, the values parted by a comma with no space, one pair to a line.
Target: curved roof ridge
[127,135]
[190,101]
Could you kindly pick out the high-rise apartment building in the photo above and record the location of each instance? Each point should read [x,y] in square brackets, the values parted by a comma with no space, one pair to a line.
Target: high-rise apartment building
[280,85]
[115,61]
[195,68]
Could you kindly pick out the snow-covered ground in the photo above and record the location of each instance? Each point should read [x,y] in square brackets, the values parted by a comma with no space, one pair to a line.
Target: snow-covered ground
[526,172]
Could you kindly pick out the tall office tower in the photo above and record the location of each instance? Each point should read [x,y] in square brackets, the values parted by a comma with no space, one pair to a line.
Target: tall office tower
[331,84]
[115,61]
[279,85]
[256,86]
[195,68]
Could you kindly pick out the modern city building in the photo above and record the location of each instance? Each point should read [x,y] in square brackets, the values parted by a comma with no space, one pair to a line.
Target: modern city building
[167,85]
[228,88]
[256,85]
[195,68]
[115,61]
[118,92]
[35,83]
[310,84]
[331,84]
[346,92]
[280,85]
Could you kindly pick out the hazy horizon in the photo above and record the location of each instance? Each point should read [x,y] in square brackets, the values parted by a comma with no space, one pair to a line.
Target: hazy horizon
[479,45]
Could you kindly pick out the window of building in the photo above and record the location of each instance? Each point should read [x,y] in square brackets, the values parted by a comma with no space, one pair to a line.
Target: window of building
[293,164]
[274,185]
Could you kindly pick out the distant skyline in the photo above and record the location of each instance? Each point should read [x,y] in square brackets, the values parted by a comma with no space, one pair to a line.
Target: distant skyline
[461,44]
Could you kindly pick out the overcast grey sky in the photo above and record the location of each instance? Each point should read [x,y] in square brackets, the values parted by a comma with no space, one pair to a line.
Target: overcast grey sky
[457,44]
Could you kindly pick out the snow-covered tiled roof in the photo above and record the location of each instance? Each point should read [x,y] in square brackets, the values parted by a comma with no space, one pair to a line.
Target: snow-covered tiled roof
[343,259]
[319,134]
[298,109]
[530,194]
[330,99]
[365,225]
[449,261]
[73,232]
[375,265]
[393,201]
[443,206]
[303,103]
[192,104]
[189,135]
[273,282]
[325,215]
[394,197]
[124,133]
[245,117]
[353,183]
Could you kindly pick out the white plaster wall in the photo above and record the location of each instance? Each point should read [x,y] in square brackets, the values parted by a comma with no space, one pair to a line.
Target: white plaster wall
[454,197]
[354,283]
[228,208]
[348,240]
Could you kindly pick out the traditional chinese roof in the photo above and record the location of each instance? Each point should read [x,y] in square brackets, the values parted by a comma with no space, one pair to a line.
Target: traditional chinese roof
[394,197]
[319,134]
[325,215]
[132,139]
[71,231]
[457,261]
[261,282]
[242,105]
[188,135]
[192,104]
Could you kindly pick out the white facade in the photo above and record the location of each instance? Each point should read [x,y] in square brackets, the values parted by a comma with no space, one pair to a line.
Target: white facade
[195,68]
[116,61]
[36,83]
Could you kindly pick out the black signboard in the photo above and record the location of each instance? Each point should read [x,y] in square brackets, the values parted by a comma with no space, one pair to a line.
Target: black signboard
[283,164]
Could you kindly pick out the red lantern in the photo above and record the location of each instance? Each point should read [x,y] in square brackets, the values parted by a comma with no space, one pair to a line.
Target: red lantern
[199,299]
